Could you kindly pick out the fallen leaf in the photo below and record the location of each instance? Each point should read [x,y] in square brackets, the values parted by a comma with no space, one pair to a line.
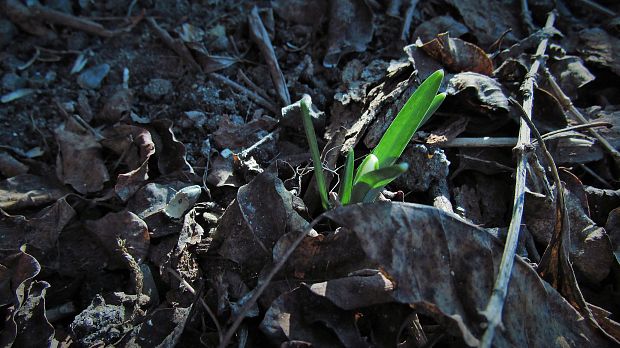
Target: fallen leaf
[235,136]
[350,29]
[600,48]
[422,250]
[41,231]
[571,74]
[182,201]
[28,191]
[488,19]
[356,291]
[79,162]
[10,166]
[302,315]
[135,147]
[429,29]
[170,152]
[458,55]
[125,226]
[252,224]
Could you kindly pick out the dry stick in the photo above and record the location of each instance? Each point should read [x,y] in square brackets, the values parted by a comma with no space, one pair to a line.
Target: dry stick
[261,288]
[480,142]
[83,24]
[562,232]
[577,127]
[174,45]
[527,17]
[493,310]
[202,301]
[258,33]
[408,20]
[252,85]
[512,141]
[599,7]
[255,97]
[567,104]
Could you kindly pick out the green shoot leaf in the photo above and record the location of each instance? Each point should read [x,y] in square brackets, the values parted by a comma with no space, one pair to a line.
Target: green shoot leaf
[376,179]
[314,151]
[370,163]
[439,98]
[408,120]
[347,183]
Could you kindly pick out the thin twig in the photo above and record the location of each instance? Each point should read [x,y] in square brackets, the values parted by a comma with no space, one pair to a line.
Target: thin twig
[527,17]
[252,85]
[264,139]
[259,35]
[567,104]
[408,20]
[561,236]
[600,8]
[202,301]
[265,282]
[173,44]
[574,128]
[255,97]
[596,176]
[494,308]
[480,142]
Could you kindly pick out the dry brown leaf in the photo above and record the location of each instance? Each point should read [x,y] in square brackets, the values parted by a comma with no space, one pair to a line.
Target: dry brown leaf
[79,162]
[458,55]
[125,226]
[350,29]
[28,191]
[445,268]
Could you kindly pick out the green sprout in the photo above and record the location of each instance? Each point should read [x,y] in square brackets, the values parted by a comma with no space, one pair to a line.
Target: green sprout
[378,168]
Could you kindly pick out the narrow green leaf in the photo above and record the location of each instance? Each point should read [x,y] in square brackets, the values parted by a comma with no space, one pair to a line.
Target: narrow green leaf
[314,151]
[370,163]
[439,98]
[406,123]
[347,182]
[376,179]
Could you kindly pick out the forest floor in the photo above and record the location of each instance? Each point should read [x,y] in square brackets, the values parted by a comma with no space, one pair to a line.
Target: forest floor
[156,186]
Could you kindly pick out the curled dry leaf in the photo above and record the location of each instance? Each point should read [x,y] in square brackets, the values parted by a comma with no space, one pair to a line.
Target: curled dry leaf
[23,301]
[135,147]
[182,201]
[28,191]
[445,268]
[171,152]
[79,162]
[125,226]
[458,55]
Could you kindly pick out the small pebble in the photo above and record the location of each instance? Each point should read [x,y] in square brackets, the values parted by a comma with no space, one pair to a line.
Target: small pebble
[91,78]
[157,88]
[12,81]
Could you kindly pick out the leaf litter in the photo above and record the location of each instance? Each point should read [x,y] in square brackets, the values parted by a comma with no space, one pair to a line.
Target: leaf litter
[170,201]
